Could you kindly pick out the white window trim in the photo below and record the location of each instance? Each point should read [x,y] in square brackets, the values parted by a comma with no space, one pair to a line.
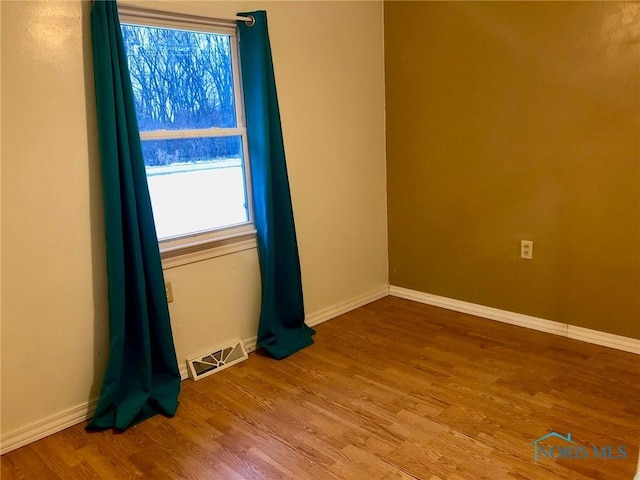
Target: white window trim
[199,246]
[204,250]
[195,133]
[151,17]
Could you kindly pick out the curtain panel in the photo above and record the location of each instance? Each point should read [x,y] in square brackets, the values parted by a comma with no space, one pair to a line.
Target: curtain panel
[142,377]
[281,331]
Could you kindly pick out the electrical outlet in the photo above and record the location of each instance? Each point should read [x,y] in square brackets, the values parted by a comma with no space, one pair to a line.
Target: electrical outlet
[169,291]
[526,249]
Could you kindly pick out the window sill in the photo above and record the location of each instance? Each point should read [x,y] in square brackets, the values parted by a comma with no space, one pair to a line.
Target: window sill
[203,250]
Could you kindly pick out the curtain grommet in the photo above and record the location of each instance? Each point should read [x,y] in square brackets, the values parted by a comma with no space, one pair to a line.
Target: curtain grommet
[251,22]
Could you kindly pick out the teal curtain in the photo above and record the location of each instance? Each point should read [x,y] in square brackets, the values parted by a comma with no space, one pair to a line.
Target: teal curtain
[142,377]
[281,330]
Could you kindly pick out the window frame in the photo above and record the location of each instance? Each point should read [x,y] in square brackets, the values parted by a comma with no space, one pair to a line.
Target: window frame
[197,246]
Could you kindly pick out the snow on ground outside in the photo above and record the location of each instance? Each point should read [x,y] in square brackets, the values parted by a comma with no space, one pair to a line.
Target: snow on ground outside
[197,199]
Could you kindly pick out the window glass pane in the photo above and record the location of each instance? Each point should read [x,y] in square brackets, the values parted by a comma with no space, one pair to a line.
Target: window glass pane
[196,184]
[181,79]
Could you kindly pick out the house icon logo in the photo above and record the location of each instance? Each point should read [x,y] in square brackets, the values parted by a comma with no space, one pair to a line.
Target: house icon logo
[568,444]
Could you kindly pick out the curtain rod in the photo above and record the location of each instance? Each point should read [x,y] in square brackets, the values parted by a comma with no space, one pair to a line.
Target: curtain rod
[143,12]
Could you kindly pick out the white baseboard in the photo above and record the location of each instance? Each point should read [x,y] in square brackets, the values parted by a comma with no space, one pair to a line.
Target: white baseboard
[47,426]
[604,339]
[84,411]
[316,318]
[251,344]
[333,311]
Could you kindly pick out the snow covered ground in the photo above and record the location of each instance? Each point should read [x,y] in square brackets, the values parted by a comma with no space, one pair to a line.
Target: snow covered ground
[196,198]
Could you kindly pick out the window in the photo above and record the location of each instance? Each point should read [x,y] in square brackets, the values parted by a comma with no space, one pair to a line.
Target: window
[190,114]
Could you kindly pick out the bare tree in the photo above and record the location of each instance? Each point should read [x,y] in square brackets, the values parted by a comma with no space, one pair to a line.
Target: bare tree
[181,80]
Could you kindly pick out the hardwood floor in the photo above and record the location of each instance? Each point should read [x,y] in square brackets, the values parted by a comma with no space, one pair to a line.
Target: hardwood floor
[393,390]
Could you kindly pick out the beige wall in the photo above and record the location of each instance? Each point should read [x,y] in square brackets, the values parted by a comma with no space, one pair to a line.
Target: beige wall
[329,71]
[510,121]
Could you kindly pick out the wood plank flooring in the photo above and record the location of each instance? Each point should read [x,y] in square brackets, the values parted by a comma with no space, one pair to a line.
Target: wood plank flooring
[393,390]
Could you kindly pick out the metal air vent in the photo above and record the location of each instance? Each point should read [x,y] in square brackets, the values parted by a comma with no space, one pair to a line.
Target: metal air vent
[216,360]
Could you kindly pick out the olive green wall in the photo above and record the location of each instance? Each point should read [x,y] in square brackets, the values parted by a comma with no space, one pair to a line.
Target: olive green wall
[510,121]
